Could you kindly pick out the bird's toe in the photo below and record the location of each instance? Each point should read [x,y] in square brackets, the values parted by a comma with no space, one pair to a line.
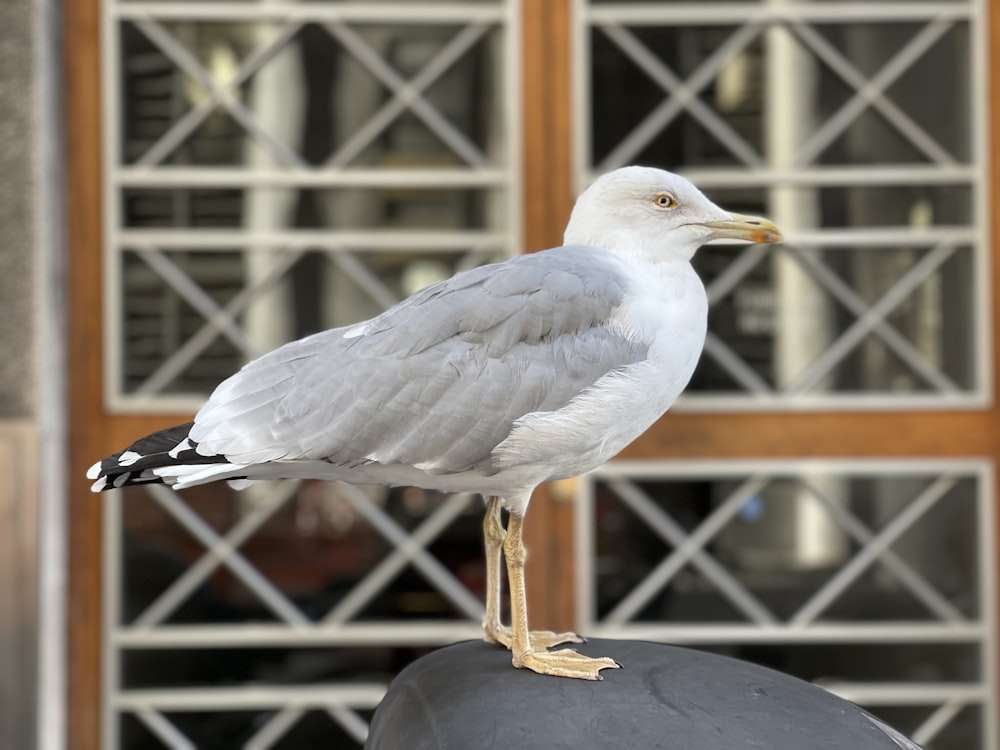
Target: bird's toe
[565,663]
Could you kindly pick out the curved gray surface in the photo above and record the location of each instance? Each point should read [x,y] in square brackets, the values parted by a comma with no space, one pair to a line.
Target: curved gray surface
[468,696]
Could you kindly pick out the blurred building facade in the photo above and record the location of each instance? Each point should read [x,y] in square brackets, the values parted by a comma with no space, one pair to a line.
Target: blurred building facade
[237,174]
[28,271]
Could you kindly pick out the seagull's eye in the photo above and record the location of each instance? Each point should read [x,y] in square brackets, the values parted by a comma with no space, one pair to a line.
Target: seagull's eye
[665,200]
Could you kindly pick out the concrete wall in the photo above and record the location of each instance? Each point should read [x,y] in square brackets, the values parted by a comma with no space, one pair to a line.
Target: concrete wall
[18,429]
[18,584]
[17,216]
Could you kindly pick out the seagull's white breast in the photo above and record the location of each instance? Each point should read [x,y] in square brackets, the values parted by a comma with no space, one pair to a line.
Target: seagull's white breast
[667,309]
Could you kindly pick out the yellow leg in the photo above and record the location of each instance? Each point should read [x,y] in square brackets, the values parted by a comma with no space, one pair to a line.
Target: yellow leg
[563,663]
[493,535]
[493,630]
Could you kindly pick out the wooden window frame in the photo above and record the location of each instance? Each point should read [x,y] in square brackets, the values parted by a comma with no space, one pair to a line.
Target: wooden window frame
[547,87]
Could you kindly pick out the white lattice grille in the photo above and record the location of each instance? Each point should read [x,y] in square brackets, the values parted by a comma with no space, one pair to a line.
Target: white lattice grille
[277,619]
[277,168]
[874,579]
[859,128]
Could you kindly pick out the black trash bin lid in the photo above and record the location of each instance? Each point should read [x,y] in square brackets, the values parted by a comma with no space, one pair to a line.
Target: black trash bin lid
[468,696]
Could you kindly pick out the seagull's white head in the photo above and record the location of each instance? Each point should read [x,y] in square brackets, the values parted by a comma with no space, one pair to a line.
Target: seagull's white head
[657,213]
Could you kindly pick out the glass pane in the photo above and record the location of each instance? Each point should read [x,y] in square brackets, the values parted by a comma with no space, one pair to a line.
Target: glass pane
[271,564]
[857,137]
[810,321]
[193,317]
[272,178]
[866,579]
[784,540]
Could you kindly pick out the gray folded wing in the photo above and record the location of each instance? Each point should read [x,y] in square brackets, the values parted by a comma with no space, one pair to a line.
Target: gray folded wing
[438,380]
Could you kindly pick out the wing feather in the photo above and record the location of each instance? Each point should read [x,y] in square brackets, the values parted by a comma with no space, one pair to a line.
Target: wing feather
[438,380]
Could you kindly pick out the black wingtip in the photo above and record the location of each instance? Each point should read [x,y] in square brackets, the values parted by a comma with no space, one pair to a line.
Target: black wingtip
[135,464]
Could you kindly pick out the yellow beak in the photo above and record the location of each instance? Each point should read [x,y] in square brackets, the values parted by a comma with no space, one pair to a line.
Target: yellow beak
[740,227]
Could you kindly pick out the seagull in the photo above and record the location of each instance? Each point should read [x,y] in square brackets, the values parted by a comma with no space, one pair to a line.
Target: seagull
[538,368]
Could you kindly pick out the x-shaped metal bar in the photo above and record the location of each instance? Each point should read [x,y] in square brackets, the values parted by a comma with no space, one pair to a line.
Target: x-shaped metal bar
[939,718]
[372,284]
[872,92]
[178,592]
[735,271]
[268,594]
[735,365]
[164,730]
[222,319]
[266,736]
[274,728]
[872,551]
[195,295]
[901,569]
[408,95]
[360,274]
[348,718]
[872,317]
[223,550]
[218,319]
[892,338]
[278,725]
[673,533]
[691,547]
[219,94]
[683,96]
[410,547]
[408,550]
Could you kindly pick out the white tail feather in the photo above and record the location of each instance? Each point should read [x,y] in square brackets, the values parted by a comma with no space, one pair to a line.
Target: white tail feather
[188,475]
